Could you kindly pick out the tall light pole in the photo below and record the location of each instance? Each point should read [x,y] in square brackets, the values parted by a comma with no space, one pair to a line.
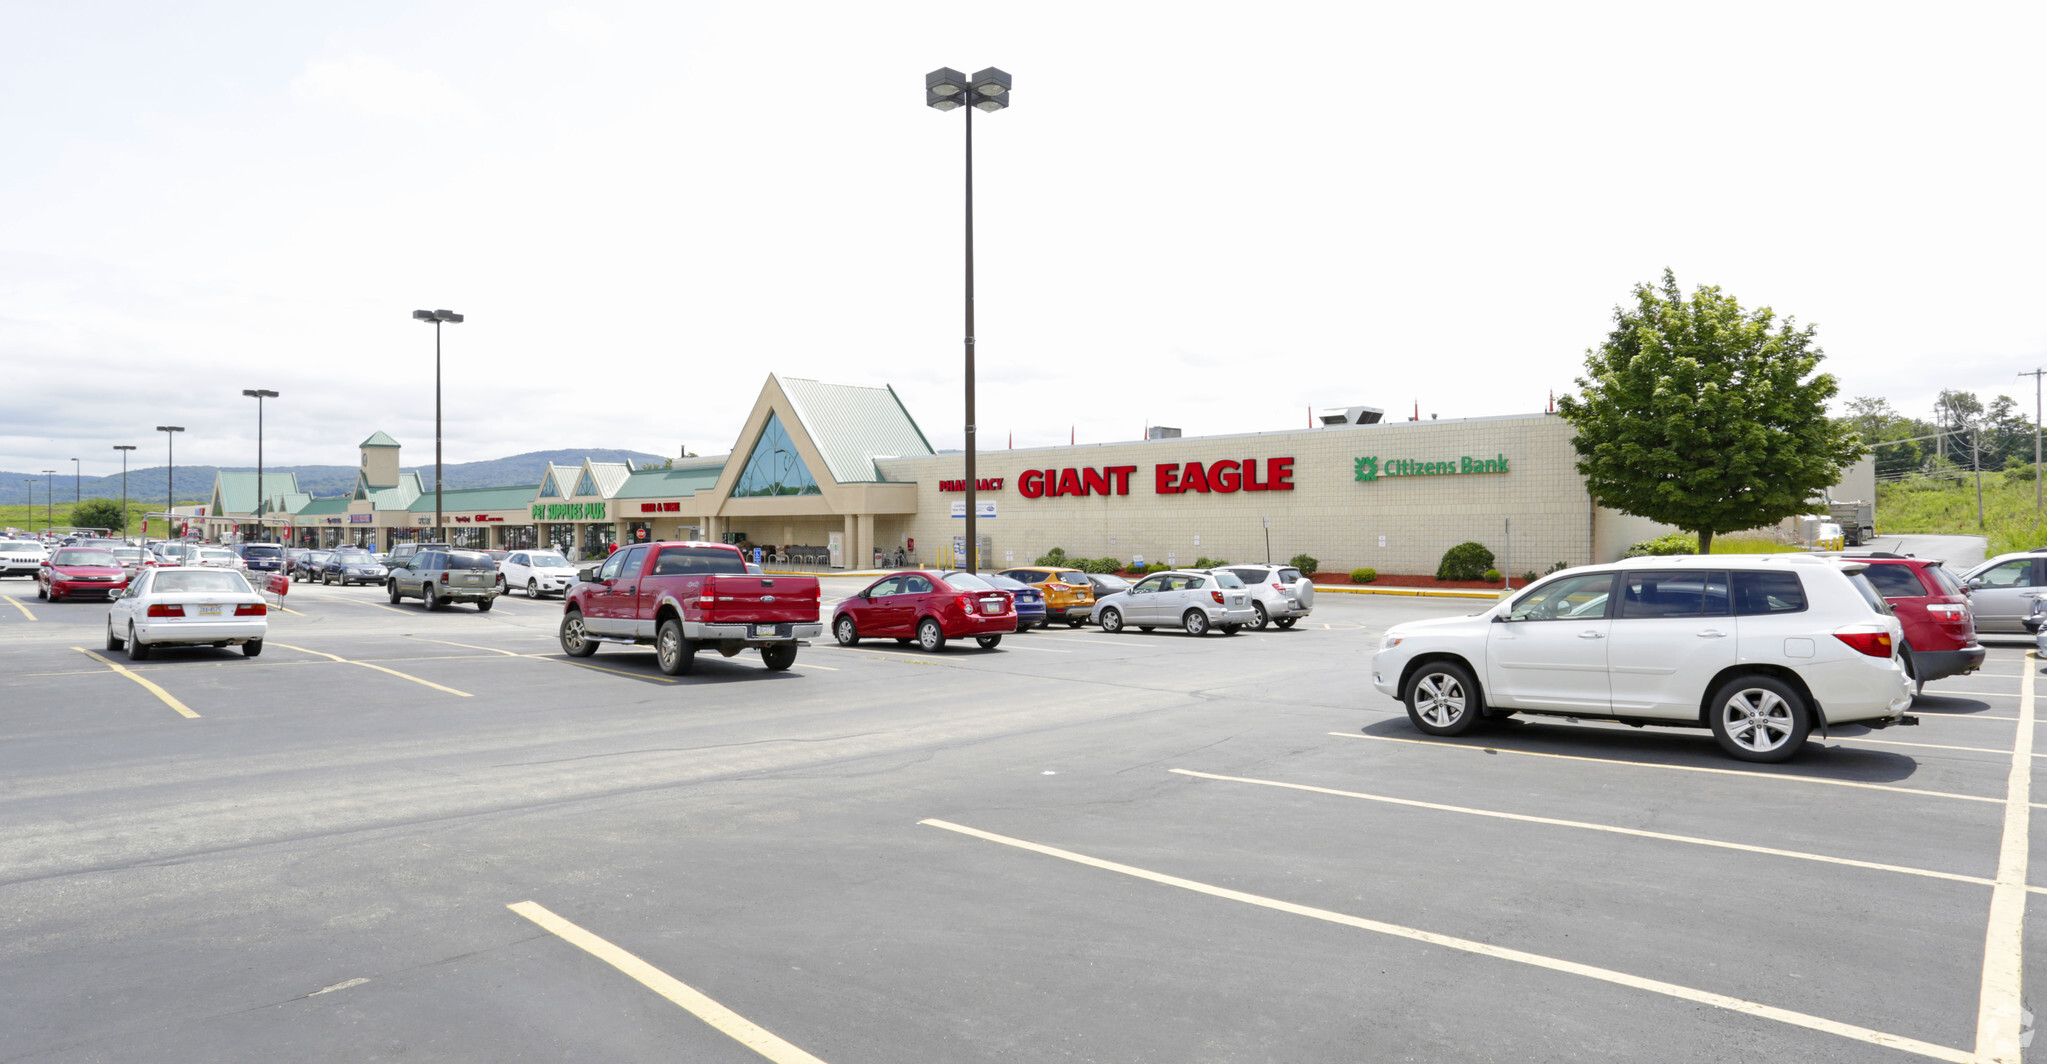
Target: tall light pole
[170,481]
[31,482]
[988,90]
[124,448]
[77,495]
[49,499]
[437,317]
[260,394]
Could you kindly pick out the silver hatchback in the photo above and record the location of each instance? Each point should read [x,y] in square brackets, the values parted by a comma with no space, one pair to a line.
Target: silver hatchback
[1190,599]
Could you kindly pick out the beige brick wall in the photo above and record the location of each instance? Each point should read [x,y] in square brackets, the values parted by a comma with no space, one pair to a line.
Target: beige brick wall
[1328,514]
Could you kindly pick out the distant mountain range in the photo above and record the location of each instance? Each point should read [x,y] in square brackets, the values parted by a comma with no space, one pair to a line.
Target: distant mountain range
[195,483]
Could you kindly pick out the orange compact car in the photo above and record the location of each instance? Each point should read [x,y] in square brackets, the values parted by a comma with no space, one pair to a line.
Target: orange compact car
[1069,596]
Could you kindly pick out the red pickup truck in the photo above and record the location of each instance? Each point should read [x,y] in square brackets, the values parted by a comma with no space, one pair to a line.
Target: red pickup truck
[686,597]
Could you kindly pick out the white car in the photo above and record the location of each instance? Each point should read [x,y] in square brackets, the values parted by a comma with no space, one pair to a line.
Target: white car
[1280,595]
[21,557]
[1195,601]
[188,606]
[537,572]
[215,558]
[1759,648]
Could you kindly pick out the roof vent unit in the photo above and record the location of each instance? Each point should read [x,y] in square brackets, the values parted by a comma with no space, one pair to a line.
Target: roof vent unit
[1161,432]
[1352,415]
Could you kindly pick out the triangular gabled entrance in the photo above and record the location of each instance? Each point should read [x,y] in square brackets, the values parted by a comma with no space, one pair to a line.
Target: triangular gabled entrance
[586,486]
[773,467]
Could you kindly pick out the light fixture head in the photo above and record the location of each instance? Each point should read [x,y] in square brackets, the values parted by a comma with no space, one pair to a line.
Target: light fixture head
[170,428]
[990,82]
[943,103]
[945,81]
[423,315]
[448,316]
[990,104]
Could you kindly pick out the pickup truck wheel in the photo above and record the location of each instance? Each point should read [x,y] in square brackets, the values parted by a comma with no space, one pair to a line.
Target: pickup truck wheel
[1111,621]
[575,639]
[1285,623]
[988,642]
[846,632]
[1759,718]
[392,587]
[929,635]
[484,605]
[778,658]
[1196,622]
[672,652]
[1263,618]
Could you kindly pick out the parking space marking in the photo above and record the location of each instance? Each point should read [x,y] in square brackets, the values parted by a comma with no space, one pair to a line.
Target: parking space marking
[17,604]
[807,665]
[1536,960]
[1041,650]
[1998,1009]
[379,668]
[465,646]
[160,693]
[600,668]
[1916,746]
[726,1021]
[1677,768]
[1611,828]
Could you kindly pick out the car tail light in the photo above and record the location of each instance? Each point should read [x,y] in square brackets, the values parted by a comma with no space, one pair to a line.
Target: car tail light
[252,609]
[1217,596]
[1947,611]
[1279,587]
[444,577]
[1874,644]
[162,609]
[966,602]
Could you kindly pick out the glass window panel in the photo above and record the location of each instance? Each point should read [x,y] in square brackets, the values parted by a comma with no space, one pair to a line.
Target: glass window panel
[774,467]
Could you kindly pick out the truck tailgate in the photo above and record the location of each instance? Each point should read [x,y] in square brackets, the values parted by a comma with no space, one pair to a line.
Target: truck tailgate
[733,599]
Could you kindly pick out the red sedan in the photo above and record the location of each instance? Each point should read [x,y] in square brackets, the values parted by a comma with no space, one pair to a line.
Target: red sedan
[81,572]
[928,607]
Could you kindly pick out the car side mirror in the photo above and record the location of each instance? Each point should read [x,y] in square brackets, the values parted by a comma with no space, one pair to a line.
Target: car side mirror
[1975,582]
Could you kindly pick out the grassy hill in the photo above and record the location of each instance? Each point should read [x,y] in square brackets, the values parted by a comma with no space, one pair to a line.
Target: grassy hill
[1929,505]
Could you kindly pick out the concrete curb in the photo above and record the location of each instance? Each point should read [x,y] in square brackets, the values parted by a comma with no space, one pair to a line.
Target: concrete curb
[1408,592]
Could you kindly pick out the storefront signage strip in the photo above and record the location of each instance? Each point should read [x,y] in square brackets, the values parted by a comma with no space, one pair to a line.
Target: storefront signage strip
[1168,478]
[1370,469]
[568,511]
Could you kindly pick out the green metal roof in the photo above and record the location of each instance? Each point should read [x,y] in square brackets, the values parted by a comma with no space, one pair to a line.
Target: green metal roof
[852,425]
[237,492]
[669,483]
[397,498]
[323,507]
[378,439]
[477,500]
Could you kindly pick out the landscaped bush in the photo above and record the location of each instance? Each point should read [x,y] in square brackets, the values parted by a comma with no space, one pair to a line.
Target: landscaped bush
[1305,563]
[1492,575]
[1465,561]
[1673,543]
[1055,556]
[1206,562]
[1096,565]
[1363,576]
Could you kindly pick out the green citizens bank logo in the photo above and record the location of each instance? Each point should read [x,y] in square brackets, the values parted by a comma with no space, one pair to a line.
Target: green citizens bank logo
[1369,470]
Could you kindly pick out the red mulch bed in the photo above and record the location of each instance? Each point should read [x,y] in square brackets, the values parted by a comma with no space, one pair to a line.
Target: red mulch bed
[1393,580]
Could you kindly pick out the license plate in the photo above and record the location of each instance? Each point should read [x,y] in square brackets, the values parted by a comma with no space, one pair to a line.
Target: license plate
[209,611]
[991,607]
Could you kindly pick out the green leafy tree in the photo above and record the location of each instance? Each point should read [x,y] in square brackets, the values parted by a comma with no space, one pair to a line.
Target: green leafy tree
[1875,421]
[1699,414]
[98,513]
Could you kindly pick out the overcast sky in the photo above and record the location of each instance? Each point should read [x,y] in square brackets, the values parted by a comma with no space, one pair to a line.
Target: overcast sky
[1211,216]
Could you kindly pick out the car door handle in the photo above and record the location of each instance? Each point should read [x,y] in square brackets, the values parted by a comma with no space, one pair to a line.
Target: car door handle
[1712,633]
[1591,635]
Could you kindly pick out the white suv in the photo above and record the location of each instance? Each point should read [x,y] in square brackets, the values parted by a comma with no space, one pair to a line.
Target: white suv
[538,572]
[1759,648]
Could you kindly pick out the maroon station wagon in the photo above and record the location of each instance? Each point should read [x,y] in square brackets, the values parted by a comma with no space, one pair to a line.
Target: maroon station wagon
[928,607]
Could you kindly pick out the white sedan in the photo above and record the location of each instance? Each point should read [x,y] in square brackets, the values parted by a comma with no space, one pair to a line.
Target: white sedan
[216,558]
[537,572]
[188,607]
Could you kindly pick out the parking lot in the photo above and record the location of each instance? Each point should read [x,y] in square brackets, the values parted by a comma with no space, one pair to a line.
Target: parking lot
[402,834]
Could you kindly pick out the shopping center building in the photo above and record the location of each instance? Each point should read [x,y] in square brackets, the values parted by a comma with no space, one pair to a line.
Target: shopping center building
[841,476]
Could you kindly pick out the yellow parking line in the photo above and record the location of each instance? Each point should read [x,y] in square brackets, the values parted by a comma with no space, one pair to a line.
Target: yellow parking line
[1766,776]
[807,665]
[1999,1011]
[379,668]
[467,646]
[1610,828]
[727,1022]
[1535,960]
[152,688]
[16,603]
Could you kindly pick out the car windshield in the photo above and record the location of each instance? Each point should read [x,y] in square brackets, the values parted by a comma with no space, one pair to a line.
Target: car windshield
[75,556]
[467,560]
[128,553]
[546,560]
[968,582]
[261,550]
[1070,578]
[183,580]
[351,557]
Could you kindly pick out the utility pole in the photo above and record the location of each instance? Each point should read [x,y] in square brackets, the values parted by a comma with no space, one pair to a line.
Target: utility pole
[1976,459]
[2036,375]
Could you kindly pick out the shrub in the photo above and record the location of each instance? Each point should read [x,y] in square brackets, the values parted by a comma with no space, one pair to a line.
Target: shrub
[1055,556]
[1492,575]
[1306,564]
[1555,567]
[1673,543]
[1363,576]
[1465,561]
[1096,565]
[1206,562]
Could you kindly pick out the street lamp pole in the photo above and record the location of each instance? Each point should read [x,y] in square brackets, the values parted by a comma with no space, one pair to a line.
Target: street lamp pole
[437,317]
[260,394]
[49,499]
[946,89]
[77,495]
[170,481]
[31,482]
[124,448]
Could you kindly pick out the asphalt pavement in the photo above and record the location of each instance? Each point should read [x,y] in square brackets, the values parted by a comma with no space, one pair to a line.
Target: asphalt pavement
[411,835]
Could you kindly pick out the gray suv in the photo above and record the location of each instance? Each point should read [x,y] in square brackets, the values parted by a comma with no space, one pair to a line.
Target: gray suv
[438,576]
[1279,593]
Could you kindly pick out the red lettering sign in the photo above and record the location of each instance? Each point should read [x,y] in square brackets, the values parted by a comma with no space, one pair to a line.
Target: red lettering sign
[1224,476]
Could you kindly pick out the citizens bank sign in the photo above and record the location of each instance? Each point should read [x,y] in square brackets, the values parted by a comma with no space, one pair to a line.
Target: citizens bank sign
[1369,470]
